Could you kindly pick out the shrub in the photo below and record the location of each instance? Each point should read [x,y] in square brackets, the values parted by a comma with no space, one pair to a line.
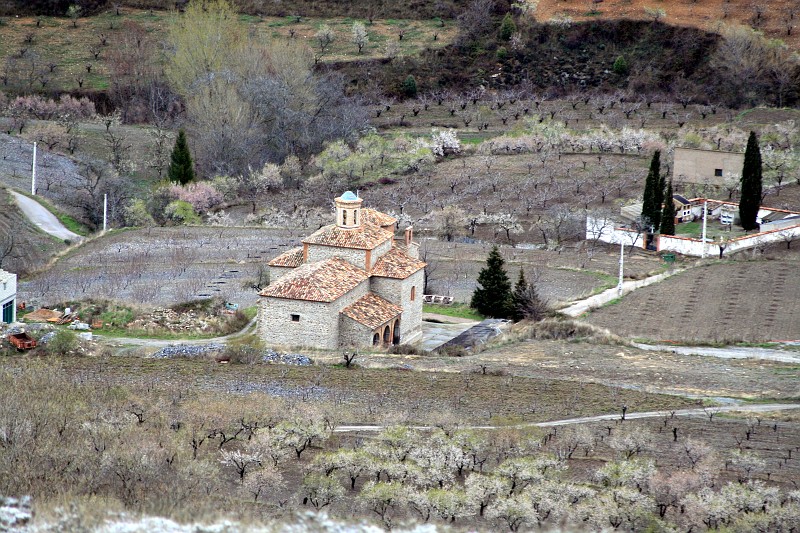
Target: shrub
[136,214]
[406,349]
[203,196]
[180,212]
[502,53]
[409,87]
[620,66]
[248,353]
[63,343]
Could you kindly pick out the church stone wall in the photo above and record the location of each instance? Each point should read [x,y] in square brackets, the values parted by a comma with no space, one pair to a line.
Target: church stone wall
[412,311]
[353,334]
[318,326]
[318,252]
[275,272]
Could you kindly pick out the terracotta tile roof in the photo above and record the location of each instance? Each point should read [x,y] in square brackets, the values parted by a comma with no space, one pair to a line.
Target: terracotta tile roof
[365,237]
[372,310]
[322,281]
[376,217]
[396,263]
[292,258]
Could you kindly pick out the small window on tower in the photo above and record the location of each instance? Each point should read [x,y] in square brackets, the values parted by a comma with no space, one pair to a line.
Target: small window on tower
[344,217]
[295,318]
[718,172]
[355,217]
[413,293]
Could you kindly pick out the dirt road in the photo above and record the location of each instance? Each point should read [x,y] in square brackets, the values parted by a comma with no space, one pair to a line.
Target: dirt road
[758,408]
[42,218]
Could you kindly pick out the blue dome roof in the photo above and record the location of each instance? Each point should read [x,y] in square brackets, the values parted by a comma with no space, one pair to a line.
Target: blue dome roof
[348,196]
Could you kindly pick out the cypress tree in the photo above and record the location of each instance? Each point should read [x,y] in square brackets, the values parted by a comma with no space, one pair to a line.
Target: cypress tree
[651,201]
[493,297]
[668,214]
[750,200]
[181,168]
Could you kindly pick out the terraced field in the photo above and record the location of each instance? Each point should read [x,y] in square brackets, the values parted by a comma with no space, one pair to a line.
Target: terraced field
[751,301]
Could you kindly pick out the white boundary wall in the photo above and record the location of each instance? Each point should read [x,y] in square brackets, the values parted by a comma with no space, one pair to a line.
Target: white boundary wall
[605,230]
[694,247]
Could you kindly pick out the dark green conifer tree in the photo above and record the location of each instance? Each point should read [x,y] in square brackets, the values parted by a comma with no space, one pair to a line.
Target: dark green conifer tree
[507,27]
[181,168]
[519,295]
[668,214]
[651,201]
[493,297]
[750,200]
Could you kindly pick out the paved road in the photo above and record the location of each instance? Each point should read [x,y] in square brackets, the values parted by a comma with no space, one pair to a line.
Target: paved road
[755,408]
[42,218]
[592,302]
[732,352]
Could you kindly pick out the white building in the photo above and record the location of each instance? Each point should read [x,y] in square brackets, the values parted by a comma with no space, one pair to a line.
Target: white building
[8,296]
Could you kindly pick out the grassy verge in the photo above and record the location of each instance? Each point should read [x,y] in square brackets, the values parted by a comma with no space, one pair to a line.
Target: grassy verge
[454,310]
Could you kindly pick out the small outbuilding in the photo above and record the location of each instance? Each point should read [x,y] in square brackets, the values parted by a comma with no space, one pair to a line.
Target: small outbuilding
[8,296]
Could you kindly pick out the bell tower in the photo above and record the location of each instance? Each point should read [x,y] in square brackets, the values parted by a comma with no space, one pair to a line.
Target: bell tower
[348,211]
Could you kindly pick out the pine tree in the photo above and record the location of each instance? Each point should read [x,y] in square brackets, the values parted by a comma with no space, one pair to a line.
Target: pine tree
[651,201]
[493,297]
[750,200]
[668,214]
[526,301]
[507,27]
[519,292]
[181,169]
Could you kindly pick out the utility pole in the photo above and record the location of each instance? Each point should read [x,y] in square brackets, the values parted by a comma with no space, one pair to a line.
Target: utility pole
[105,212]
[621,264]
[33,172]
[705,221]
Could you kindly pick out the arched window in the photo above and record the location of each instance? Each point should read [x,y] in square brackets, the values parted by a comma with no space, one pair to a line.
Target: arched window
[344,217]
[376,340]
[355,217]
[413,293]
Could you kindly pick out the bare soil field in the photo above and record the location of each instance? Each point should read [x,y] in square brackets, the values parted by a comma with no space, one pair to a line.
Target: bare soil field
[164,266]
[621,367]
[750,301]
[374,395]
[773,18]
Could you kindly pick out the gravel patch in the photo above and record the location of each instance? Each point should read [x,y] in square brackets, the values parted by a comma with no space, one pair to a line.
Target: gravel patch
[187,351]
[296,359]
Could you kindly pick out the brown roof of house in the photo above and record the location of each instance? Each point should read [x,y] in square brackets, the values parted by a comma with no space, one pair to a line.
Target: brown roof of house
[376,217]
[396,263]
[365,237]
[372,310]
[292,258]
[322,281]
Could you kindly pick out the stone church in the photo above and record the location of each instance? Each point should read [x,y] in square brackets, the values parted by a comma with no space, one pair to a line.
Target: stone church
[351,284]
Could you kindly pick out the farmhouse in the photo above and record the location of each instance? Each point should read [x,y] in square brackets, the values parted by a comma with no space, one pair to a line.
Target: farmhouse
[350,284]
[711,167]
[8,296]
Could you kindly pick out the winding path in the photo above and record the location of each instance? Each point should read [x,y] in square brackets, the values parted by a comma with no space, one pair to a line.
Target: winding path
[755,408]
[42,218]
